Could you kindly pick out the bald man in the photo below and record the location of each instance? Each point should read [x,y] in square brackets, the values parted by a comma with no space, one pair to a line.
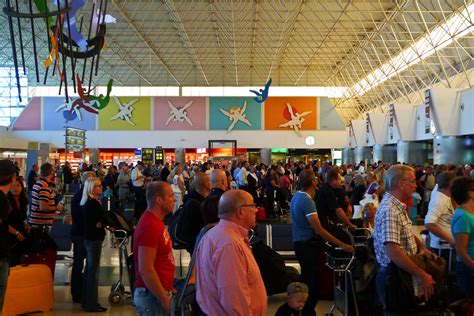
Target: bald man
[192,217]
[228,281]
[218,183]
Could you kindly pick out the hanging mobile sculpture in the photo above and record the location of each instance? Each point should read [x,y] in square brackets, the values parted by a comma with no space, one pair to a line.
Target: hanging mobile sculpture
[66,43]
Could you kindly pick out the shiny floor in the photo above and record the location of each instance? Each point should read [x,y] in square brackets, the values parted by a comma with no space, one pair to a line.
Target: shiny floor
[110,273]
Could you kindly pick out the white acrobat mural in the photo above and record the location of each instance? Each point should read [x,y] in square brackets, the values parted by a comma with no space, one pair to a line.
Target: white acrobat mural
[236,114]
[296,119]
[125,111]
[178,114]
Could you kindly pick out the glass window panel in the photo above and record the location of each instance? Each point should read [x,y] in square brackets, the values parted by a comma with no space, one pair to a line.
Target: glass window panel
[10,105]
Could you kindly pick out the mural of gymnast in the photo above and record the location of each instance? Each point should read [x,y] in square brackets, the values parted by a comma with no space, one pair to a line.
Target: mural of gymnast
[235,115]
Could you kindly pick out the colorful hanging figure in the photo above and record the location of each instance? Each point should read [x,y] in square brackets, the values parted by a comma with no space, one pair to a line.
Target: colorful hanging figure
[90,103]
[70,28]
[263,94]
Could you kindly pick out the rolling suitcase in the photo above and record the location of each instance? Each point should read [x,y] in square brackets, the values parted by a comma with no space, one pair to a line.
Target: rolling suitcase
[29,289]
[47,257]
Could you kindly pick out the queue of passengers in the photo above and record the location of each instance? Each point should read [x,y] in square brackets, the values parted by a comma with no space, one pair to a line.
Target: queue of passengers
[228,280]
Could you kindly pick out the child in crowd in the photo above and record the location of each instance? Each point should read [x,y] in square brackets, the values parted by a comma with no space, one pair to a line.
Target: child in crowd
[368,214]
[297,296]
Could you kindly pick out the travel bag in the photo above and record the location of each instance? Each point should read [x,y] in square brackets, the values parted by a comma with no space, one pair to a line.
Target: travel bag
[29,289]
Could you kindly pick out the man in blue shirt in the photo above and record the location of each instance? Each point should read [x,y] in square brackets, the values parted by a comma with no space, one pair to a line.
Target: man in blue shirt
[309,235]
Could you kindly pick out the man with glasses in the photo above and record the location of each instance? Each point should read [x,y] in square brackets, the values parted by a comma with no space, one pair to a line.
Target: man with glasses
[228,281]
[394,240]
[309,236]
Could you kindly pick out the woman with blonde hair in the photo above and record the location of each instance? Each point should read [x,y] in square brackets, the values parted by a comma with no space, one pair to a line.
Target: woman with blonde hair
[94,234]
[358,194]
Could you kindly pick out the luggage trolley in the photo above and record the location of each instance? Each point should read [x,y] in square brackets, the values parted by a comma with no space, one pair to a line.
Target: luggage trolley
[117,290]
[342,265]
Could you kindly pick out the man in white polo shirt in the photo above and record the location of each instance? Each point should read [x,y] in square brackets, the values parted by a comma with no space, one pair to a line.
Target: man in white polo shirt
[440,212]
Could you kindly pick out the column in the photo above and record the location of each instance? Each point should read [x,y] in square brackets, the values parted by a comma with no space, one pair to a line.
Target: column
[386,153]
[363,153]
[451,149]
[43,153]
[348,156]
[266,156]
[378,152]
[413,152]
[93,155]
[180,155]
[31,156]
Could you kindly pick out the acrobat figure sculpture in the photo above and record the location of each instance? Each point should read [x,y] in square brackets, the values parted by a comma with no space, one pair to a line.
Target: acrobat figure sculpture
[125,111]
[295,119]
[236,114]
[179,114]
[263,94]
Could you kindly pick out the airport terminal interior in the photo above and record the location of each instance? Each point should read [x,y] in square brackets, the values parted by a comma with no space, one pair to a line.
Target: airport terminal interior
[271,92]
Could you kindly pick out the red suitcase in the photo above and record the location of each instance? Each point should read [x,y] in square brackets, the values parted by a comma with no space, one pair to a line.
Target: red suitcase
[261,215]
[46,257]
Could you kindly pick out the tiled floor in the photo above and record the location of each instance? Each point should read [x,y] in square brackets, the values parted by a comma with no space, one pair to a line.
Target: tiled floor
[109,274]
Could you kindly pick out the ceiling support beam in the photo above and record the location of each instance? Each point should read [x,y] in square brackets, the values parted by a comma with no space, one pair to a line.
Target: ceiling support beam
[145,40]
[324,40]
[180,26]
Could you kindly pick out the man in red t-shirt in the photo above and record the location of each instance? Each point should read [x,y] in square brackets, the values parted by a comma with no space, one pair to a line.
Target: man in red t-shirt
[154,262]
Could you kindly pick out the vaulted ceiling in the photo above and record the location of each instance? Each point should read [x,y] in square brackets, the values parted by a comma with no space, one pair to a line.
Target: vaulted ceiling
[243,43]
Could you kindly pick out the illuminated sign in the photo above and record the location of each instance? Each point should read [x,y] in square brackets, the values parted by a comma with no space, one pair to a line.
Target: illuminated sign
[279,150]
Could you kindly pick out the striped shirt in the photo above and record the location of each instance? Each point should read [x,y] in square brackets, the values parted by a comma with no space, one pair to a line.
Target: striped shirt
[42,191]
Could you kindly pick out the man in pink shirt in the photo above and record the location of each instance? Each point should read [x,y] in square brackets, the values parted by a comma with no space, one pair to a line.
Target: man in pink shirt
[228,281]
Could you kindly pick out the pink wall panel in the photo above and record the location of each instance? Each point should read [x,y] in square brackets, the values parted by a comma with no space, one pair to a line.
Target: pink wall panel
[191,118]
[30,118]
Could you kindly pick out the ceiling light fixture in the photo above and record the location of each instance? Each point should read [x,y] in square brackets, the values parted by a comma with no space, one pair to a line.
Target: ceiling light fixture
[456,26]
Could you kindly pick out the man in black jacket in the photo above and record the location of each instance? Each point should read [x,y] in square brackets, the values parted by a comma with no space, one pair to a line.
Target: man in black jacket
[165,172]
[7,177]
[67,176]
[77,237]
[192,217]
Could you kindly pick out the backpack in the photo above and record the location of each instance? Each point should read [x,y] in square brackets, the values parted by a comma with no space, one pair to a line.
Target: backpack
[176,231]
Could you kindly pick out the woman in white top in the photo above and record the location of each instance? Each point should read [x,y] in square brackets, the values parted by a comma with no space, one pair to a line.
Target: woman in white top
[178,185]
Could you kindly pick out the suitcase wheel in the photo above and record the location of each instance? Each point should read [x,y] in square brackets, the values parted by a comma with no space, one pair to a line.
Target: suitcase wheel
[117,287]
[115,298]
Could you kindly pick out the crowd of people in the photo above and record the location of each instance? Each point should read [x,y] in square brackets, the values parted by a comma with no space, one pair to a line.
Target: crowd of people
[319,197]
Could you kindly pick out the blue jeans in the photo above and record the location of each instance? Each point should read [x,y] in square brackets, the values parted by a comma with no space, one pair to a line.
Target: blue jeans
[79,255]
[465,279]
[90,287]
[380,285]
[4,272]
[147,304]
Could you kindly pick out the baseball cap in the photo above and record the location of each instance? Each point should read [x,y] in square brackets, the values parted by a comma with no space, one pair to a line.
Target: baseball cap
[297,288]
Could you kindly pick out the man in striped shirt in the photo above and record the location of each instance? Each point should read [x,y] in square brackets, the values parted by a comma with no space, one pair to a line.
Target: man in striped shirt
[43,204]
